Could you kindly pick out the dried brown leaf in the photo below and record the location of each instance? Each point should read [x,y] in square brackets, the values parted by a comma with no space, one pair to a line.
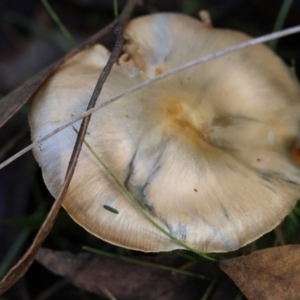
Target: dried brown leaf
[21,267]
[268,274]
[122,279]
[13,101]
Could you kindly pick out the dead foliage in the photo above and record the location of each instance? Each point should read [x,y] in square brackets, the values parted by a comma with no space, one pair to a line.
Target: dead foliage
[122,279]
[268,274]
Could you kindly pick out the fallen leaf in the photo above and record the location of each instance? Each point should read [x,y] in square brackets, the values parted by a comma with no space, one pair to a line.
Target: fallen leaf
[122,279]
[13,101]
[272,273]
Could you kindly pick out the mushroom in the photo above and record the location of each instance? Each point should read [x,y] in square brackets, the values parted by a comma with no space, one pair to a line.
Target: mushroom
[211,153]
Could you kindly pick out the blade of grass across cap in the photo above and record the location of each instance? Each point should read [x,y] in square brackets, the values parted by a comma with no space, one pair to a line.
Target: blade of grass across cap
[17,271]
[14,17]
[140,209]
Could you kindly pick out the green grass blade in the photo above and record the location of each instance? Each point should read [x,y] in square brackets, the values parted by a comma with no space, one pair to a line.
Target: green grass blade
[279,236]
[31,25]
[13,251]
[209,290]
[115,5]
[17,245]
[140,209]
[239,296]
[296,210]
[285,8]
[58,22]
[143,263]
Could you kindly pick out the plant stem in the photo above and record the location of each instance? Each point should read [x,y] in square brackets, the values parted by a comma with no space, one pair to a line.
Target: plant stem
[143,263]
[140,209]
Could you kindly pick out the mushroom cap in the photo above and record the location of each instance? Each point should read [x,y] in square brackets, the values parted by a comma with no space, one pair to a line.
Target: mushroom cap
[210,153]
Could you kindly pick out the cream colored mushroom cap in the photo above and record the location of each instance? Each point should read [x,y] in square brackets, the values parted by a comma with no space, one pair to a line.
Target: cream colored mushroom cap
[210,153]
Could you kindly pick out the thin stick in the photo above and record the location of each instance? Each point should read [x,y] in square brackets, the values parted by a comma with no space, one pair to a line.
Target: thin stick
[252,42]
[17,271]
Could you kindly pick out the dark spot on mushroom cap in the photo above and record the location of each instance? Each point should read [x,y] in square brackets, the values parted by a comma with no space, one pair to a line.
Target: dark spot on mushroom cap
[231,119]
[293,149]
[295,154]
[158,71]
[265,176]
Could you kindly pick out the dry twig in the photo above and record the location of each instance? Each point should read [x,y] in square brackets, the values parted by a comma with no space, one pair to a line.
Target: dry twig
[17,271]
[252,42]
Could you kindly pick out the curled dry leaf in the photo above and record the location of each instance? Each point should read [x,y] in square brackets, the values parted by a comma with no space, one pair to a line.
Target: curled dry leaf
[211,153]
[124,280]
[269,274]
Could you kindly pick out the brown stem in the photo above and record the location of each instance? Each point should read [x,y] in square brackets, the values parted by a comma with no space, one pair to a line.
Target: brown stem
[17,271]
